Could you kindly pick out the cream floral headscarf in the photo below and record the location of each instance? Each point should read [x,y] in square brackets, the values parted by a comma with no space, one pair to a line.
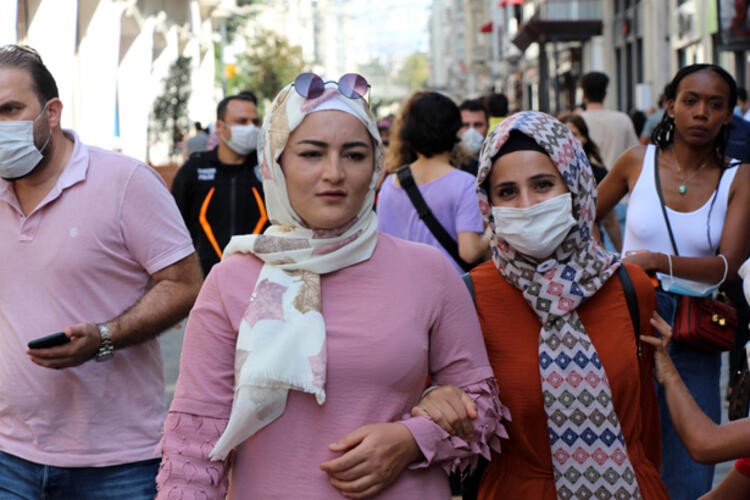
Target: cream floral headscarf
[281,344]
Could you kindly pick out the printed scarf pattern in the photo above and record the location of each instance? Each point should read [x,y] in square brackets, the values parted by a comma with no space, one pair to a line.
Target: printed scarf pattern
[589,454]
[281,343]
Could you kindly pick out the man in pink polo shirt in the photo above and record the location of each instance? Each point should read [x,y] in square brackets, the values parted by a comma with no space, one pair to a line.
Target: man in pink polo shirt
[91,244]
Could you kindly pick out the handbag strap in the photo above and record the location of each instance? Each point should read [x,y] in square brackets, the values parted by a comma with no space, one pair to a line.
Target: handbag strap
[657,181]
[632,299]
[426,215]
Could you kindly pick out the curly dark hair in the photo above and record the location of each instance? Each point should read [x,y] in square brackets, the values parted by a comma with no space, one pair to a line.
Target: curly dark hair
[663,134]
[430,123]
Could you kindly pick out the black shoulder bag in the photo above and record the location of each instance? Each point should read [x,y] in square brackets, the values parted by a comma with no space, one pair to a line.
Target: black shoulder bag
[426,215]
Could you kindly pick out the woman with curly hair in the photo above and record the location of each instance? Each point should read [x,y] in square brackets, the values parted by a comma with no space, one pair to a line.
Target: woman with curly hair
[424,139]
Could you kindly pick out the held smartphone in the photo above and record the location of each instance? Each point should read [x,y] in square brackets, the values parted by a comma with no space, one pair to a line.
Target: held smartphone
[53,340]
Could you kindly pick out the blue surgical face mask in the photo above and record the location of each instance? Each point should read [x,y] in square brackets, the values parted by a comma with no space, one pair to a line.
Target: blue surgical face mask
[18,153]
[472,141]
[680,286]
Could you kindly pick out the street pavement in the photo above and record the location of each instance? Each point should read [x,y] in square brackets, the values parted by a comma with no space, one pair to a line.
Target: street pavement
[171,343]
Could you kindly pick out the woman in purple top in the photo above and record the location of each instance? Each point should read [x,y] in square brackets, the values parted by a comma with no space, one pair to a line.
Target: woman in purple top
[427,132]
[309,345]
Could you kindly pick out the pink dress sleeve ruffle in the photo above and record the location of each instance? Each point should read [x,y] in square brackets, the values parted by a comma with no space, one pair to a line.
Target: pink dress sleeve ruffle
[453,453]
[186,473]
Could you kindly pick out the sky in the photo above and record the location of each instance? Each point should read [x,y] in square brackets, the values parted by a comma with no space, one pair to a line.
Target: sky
[392,28]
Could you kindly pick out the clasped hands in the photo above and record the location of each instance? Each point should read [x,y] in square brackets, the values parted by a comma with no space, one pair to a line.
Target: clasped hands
[374,455]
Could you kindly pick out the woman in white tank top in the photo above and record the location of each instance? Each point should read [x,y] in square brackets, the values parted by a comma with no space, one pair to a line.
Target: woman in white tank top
[707,200]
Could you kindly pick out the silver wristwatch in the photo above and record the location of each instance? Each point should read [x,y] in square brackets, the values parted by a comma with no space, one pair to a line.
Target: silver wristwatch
[106,348]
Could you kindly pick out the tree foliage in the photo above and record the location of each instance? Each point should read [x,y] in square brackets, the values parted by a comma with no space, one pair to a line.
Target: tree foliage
[415,71]
[270,63]
[236,22]
[169,117]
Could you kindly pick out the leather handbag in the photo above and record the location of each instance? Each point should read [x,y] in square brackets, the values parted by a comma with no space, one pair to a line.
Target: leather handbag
[703,323]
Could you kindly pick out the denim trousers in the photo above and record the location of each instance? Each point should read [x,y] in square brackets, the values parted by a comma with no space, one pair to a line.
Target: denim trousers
[24,480]
[686,479]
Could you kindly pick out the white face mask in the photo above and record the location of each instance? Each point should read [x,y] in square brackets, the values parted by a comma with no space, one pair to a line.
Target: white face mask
[472,140]
[538,230]
[18,153]
[244,139]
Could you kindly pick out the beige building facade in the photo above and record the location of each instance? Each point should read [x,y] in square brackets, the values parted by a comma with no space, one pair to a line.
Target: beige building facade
[109,58]
[536,50]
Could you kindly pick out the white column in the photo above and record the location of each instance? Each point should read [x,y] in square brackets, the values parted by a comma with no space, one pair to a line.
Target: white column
[58,51]
[8,31]
[135,94]
[96,79]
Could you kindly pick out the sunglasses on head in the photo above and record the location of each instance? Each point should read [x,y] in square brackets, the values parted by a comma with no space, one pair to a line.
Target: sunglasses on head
[351,85]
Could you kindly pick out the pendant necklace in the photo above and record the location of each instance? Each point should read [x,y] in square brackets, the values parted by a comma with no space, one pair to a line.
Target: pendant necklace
[682,188]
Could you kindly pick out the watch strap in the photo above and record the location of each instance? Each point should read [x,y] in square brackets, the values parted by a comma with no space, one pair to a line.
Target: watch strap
[106,348]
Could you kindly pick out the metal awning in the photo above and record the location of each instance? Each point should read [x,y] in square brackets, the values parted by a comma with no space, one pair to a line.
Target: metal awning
[550,30]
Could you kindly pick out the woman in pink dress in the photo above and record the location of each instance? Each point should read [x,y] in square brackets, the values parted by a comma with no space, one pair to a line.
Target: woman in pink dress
[309,344]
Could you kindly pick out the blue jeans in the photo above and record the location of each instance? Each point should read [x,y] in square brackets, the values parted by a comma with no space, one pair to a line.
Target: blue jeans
[24,480]
[686,479]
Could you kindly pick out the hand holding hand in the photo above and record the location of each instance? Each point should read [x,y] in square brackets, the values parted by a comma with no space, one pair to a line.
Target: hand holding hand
[372,458]
[663,365]
[84,342]
[450,408]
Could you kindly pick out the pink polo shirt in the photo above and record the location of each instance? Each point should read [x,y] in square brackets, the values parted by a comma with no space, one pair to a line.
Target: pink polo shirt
[85,254]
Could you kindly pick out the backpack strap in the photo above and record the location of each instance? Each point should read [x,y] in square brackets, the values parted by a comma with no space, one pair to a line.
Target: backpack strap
[632,300]
[426,215]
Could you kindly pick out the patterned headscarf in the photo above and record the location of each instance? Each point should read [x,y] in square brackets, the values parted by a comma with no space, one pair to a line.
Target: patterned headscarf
[281,343]
[589,455]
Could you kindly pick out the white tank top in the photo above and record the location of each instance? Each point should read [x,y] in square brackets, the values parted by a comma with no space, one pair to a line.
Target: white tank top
[646,229]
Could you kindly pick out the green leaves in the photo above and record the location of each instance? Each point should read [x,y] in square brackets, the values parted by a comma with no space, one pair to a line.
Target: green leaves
[269,63]
[169,117]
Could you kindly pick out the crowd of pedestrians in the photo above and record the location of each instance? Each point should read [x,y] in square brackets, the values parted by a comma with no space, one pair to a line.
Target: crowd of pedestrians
[382,304]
